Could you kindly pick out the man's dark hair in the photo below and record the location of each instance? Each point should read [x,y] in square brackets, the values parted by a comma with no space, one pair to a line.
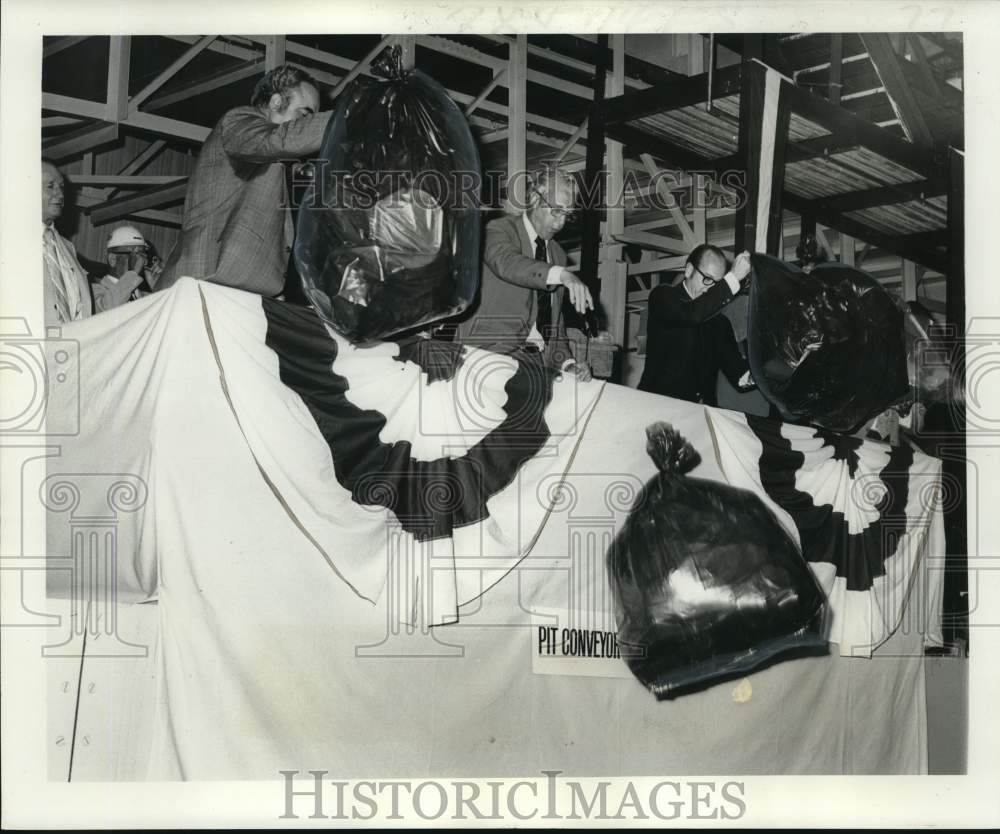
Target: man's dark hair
[281,80]
[702,249]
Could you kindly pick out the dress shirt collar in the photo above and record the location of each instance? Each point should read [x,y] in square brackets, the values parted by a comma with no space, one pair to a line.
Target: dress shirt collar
[532,234]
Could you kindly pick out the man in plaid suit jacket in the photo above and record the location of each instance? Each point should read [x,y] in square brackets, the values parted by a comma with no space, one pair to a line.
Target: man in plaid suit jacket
[237,229]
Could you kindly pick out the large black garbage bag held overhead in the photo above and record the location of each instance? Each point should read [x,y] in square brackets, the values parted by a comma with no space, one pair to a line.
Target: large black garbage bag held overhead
[825,347]
[388,231]
[706,582]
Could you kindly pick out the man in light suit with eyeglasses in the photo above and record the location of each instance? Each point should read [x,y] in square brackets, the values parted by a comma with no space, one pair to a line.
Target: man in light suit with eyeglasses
[524,281]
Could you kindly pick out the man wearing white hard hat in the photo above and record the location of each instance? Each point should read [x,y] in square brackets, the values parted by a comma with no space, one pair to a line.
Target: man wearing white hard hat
[128,258]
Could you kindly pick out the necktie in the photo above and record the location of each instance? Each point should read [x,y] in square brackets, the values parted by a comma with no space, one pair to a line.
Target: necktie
[543,320]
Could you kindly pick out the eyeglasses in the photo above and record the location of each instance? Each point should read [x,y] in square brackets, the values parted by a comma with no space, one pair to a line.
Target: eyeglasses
[707,280]
[558,212]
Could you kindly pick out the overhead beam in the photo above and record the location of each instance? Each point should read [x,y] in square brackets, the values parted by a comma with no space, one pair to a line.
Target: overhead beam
[888,243]
[580,132]
[836,66]
[931,85]
[927,237]
[320,56]
[119,59]
[612,270]
[60,44]
[517,97]
[664,192]
[683,92]
[176,66]
[656,243]
[659,265]
[206,85]
[847,249]
[170,128]
[74,106]
[223,47]
[80,141]
[675,156]
[499,76]
[849,129]
[886,64]
[445,46]
[149,199]
[883,195]
[162,218]
[274,51]
[494,136]
[60,121]
[594,198]
[133,181]
[137,163]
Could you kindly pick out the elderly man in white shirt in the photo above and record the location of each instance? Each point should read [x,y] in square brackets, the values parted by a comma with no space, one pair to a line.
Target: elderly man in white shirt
[67,290]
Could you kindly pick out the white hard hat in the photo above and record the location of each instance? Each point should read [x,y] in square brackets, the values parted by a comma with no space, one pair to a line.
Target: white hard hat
[126,236]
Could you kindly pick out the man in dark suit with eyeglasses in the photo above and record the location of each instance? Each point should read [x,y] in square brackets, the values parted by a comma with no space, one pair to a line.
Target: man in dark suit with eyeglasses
[687,343]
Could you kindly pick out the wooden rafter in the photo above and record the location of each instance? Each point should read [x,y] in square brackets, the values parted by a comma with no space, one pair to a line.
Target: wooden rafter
[517,96]
[150,199]
[224,47]
[126,181]
[71,106]
[499,76]
[685,92]
[205,85]
[664,192]
[169,128]
[360,67]
[656,243]
[915,251]
[883,195]
[931,85]
[274,51]
[80,141]
[848,129]
[176,66]
[60,44]
[60,121]
[886,63]
[119,60]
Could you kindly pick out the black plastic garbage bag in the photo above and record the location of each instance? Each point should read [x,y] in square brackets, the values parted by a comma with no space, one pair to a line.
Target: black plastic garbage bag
[388,230]
[825,347]
[706,582]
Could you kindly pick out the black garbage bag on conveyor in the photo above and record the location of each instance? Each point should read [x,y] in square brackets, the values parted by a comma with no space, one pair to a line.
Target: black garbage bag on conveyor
[388,230]
[825,347]
[706,582]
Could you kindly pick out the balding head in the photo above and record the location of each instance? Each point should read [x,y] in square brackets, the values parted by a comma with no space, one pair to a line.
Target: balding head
[705,267]
[550,201]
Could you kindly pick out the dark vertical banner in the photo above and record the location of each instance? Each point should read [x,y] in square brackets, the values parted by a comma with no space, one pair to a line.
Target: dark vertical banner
[954,457]
[593,196]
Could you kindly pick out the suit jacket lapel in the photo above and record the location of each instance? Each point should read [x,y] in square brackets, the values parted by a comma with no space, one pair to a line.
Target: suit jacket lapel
[527,248]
